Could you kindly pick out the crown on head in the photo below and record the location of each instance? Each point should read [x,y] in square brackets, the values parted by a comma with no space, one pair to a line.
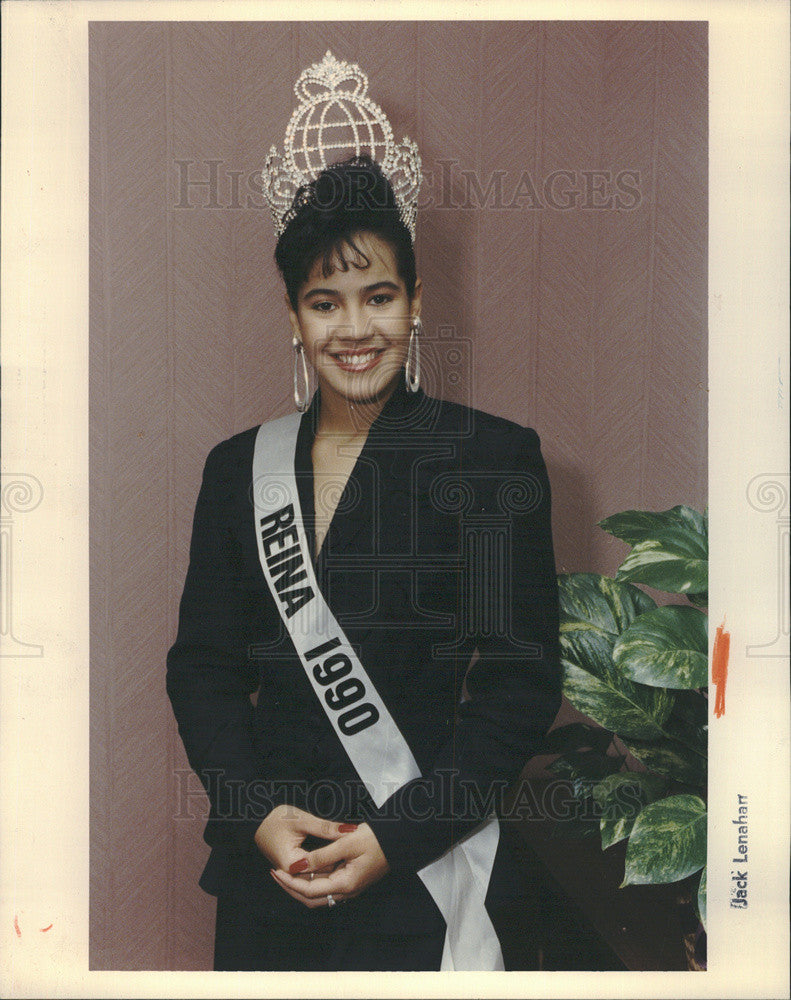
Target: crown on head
[334,115]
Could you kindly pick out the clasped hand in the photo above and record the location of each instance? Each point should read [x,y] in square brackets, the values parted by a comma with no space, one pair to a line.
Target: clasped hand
[346,866]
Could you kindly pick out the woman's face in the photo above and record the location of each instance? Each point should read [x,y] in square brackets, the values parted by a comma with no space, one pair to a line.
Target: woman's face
[354,325]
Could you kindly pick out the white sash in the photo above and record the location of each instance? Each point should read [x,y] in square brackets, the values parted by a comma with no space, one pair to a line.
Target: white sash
[457,880]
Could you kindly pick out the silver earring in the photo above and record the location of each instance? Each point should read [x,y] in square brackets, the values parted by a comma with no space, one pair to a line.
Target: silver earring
[413,356]
[301,402]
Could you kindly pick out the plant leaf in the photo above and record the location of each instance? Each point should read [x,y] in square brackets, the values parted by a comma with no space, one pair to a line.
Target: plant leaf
[603,604]
[595,609]
[583,771]
[621,798]
[588,766]
[665,647]
[575,814]
[635,526]
[674,560]
[614,828]
[671,759]
[702,898]
[636,713]
[668,841]
[609,789]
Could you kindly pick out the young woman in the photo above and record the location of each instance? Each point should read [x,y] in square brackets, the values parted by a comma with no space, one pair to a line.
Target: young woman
[379,569]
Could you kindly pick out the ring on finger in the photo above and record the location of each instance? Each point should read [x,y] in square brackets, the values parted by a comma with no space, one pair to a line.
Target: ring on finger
[312,876]
[330,901]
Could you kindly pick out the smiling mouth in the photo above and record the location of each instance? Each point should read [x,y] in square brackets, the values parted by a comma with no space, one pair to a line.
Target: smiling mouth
[357,361]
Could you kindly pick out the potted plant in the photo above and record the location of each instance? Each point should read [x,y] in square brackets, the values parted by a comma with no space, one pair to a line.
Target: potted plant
[640,671]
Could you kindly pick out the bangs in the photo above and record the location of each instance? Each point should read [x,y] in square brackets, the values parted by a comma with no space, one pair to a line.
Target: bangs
[339,254]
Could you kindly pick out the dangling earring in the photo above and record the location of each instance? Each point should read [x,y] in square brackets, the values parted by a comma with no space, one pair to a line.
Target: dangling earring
[299,352]
[413,353]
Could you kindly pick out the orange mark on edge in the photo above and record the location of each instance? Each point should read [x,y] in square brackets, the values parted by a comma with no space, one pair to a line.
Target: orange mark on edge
[719,667]
[16,927]
[43,929]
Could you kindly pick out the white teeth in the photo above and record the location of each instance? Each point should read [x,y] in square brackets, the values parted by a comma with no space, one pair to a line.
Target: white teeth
[357,360]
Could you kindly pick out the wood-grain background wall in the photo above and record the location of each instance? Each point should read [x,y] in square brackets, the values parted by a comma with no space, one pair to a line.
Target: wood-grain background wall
[579,310]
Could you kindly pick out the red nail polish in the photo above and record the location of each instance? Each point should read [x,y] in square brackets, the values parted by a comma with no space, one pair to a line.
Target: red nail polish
[347,827]
[299,866]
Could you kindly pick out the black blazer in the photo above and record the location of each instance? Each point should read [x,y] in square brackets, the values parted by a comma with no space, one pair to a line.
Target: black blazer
[440,548]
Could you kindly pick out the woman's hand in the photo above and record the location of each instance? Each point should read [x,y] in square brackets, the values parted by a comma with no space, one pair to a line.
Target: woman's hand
[342,869]
[279,838]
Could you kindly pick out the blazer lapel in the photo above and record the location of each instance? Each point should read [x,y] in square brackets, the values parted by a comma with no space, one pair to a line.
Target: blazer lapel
[379,478]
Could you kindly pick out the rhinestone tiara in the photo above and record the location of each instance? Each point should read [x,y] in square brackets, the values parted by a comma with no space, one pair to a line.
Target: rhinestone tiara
[335,114]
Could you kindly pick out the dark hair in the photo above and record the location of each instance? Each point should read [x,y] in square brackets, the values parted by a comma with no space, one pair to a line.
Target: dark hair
[345,200]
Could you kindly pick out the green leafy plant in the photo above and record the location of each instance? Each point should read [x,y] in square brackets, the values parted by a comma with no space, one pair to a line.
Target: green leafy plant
[640,671]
